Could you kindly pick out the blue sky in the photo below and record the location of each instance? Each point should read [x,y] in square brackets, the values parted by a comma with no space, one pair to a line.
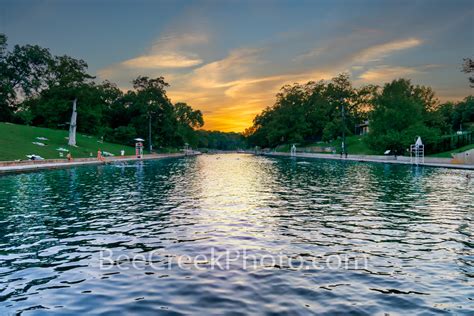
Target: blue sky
[229,58]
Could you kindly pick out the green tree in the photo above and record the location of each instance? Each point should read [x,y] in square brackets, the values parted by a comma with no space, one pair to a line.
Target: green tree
[149,103]
[220,140]
[188,120]
[400,115]
[468,67]
[23,73]
[66,79]
[463,115]
[39,88]
[309,112]
[443,117]
[5,110]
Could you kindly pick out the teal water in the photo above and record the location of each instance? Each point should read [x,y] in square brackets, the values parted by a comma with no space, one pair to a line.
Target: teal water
[109,239]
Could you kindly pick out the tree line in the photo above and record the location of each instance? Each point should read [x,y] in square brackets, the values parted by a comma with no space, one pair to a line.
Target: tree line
[221,140]
[37,88]
[397,112]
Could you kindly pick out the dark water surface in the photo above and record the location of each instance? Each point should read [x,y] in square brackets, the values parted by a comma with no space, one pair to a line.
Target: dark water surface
[348,237]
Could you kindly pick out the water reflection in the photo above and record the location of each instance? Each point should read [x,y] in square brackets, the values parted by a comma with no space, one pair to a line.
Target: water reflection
[414,225]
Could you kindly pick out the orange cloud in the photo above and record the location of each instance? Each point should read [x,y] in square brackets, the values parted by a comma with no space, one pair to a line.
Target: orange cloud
[166,60]
[223,72]
[230,91]
[387,73]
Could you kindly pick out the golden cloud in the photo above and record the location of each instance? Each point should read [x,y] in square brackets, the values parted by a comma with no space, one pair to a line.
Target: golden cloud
[387,73]
[227,71]
[167,52]
[165,60]
[230,91]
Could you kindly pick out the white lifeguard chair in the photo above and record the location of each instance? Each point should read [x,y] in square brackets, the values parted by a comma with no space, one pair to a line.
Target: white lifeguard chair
[186,149]
[139,147]
[417,152]
[293,151]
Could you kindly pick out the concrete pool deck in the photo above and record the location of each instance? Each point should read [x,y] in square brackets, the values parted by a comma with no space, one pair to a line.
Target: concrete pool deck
[33,165]
[401,160]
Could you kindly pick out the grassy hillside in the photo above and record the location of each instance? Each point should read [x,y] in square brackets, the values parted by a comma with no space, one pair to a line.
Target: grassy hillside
[355,146]
[447,154]
[16,141]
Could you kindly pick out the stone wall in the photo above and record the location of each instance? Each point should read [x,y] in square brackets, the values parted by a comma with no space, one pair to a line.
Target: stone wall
[466,157]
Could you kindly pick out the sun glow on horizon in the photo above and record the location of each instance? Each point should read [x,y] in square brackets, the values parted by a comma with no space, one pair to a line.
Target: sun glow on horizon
[233,84]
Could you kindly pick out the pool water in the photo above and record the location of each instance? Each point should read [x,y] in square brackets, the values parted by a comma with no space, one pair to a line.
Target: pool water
[237,234]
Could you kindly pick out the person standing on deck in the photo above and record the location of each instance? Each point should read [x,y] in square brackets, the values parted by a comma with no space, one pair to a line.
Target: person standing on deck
[99,155]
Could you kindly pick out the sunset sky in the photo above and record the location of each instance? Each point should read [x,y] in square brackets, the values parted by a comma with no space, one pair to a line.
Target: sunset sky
[229,58]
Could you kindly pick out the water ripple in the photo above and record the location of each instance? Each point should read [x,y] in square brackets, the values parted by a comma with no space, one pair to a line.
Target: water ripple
[413,226]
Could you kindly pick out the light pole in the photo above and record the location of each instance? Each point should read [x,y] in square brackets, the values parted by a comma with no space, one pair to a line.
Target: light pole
[343,113]
[149,132]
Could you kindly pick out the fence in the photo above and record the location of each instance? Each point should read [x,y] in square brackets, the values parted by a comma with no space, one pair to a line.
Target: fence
[455,141]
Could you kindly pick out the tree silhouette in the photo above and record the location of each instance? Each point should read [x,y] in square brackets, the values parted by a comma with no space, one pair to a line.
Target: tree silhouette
[468,67]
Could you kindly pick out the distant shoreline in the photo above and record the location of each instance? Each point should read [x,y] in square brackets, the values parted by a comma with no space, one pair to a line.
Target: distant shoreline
[401,160]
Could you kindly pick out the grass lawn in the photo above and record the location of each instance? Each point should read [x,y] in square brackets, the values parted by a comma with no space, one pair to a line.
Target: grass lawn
[447,154]
[355,145]
[16,141]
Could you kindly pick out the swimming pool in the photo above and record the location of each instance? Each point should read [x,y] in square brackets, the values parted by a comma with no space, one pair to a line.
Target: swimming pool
[237,234]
